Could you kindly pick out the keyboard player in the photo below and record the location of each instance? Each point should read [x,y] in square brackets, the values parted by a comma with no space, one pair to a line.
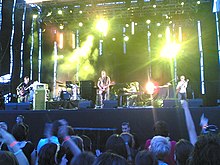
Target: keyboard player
[132,93]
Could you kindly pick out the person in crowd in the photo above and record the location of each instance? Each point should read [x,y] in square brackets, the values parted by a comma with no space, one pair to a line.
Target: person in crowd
[109,158]
[160,148]
[20,120]
[161,129]
[78,141]
[58,130]
[20,134]
[206,150]
[87,142]
[8,158]
[130,144]
[103,87]
[183,150]
[13,148]
[145,157]
[4,125]
[116,144]
[125,128]
[181,88]
[51,134]
[52,154]
[84,158]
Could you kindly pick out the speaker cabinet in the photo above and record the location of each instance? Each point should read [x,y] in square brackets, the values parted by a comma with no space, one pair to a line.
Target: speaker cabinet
[87,90]
[195,102]
[110,104]
[11,106]
[17,106]
[170,103]
[39,101]
[86,104]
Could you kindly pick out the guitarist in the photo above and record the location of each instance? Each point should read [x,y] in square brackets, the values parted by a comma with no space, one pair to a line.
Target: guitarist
[181,88]
[103,87]
[23,90]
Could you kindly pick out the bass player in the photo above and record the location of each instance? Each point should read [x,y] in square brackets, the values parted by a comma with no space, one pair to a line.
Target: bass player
[23,90]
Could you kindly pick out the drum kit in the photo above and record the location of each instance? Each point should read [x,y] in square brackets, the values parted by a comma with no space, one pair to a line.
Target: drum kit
[70,91]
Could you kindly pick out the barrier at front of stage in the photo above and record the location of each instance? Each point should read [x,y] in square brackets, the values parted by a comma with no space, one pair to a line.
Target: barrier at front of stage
[97,135]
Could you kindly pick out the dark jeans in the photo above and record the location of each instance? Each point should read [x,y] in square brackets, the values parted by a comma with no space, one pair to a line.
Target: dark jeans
[181,96]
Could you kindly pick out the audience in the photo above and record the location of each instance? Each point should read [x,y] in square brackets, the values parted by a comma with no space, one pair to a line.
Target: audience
[116,144]
[20,120]
[87,143]
[61,147]
[84,158]
[52,154]
[13,147]
[160,148]
[109,158]
[145,157]
[129,143]
[183,151]
[207,150]
[20,133]
[125,128]
[8,158]
[161,129]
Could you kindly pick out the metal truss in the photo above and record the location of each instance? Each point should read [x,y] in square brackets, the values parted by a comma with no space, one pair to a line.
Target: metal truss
[74,11]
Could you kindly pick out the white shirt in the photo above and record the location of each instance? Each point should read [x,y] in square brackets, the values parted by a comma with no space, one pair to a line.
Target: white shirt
[181,86]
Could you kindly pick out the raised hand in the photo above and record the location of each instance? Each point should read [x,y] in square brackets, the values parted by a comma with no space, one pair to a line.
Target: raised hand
[203,121]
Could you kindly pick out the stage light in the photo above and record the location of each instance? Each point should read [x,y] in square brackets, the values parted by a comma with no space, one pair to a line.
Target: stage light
[35,16]
[61,27]
[60,12]
[80,24]
[34,1]
[102,26]
[158,24]
[61,41]
[126,38]
[49,14]
[60,56]
[170,50]
[160,36]
[150,88]
[148,21]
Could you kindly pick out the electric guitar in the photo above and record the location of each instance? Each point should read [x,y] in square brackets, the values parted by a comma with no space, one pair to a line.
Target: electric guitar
[178,89]
[21,91]
[104,88]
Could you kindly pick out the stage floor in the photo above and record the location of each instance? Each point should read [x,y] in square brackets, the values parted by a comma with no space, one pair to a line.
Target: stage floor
[104,122]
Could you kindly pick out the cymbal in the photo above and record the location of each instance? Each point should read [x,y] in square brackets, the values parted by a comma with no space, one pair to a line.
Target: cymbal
[60,85]
[59,82]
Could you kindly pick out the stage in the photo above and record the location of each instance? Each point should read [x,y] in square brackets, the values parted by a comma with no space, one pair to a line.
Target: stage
[100,123]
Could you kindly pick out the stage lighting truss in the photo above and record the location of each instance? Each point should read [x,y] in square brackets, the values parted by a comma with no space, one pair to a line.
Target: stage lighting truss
[75,11]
